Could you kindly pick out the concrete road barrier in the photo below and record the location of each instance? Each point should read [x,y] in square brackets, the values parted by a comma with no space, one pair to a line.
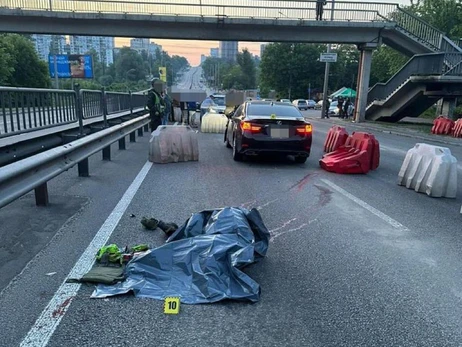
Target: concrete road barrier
[172,144]
[431,170]
[214,123]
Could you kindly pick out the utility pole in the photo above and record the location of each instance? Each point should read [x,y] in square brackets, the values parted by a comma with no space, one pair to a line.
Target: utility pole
[326,72]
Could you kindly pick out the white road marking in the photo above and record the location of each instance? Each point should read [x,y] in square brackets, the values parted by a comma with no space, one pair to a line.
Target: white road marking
[286,223]
[366,206]
[266,204]
[46,324]
[273,237]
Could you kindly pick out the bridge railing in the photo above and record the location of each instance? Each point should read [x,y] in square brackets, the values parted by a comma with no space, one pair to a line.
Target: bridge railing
[417,28]
[418,65]
[262,9]
[29,109]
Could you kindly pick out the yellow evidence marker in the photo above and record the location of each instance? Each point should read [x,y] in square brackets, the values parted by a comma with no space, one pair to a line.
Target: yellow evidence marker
[273,116]
[172,305]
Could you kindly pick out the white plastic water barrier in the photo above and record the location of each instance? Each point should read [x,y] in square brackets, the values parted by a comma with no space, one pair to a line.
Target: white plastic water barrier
[214,123]
[431,170]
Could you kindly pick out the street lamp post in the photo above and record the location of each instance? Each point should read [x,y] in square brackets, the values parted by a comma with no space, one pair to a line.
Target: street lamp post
[326,72]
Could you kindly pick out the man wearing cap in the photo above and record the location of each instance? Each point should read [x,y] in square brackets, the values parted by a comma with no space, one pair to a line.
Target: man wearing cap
[156,106]
[206,104]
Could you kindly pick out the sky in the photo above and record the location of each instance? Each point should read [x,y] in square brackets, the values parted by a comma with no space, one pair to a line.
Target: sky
[192,50]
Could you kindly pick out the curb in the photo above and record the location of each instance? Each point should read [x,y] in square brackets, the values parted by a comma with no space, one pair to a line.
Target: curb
[386,131]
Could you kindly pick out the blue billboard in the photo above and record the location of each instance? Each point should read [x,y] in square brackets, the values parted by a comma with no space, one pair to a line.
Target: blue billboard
[71,66]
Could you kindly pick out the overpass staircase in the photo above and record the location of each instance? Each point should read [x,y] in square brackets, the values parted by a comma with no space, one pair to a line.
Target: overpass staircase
[433,72]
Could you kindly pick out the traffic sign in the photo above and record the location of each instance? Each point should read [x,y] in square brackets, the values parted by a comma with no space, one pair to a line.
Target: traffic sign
[328,57]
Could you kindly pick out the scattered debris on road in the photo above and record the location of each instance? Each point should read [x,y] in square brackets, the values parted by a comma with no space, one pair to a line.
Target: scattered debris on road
[201,262]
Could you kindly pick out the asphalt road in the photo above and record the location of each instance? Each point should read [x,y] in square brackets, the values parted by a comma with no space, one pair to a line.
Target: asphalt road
[354,260]
[191,79]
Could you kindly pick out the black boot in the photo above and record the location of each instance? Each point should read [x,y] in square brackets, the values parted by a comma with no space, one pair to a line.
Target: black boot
[167,228]
[149,223]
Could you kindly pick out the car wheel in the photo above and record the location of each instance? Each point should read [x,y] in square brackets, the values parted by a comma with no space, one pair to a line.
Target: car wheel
[236,155]
[300,159]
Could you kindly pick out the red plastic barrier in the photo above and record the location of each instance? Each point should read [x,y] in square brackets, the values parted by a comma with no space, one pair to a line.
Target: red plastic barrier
[457,131]
[442,126]
[335,138]
[360,154]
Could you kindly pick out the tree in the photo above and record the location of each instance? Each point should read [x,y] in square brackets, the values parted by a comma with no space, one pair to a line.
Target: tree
[7,59]
[129,66]
[28,69]
[385,63]
[248,71]
[234,78]
[290,69]
[442,14]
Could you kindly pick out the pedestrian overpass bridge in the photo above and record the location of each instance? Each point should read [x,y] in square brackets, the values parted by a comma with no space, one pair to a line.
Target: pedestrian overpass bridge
[433,73]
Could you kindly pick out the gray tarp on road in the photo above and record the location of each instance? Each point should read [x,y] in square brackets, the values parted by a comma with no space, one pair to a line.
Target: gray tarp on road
[201,262]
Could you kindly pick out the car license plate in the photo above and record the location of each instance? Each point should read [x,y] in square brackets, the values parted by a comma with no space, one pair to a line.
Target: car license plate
[280,133]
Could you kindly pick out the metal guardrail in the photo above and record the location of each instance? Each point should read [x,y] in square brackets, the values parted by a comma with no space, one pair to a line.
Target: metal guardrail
[29,109]
[418,65]
[26,109]
[34,172]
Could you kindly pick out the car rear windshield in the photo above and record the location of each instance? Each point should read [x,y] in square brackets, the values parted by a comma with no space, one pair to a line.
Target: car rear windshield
[267,110]
[302,102]
[219,101]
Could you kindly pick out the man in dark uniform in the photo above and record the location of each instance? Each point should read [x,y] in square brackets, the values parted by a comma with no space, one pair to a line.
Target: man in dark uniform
[156,106]
[320,8]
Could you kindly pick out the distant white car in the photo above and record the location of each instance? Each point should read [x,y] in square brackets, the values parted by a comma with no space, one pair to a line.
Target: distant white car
[333,109]
[301,104]
[220,104]
[311,104]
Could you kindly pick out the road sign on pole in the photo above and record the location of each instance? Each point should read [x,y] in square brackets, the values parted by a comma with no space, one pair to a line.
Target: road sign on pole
[328,57]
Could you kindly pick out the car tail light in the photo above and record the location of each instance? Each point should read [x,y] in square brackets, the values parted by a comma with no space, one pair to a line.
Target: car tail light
[305,130]
[247,126]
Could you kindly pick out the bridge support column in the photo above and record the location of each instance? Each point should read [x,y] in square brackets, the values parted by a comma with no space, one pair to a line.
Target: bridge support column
[133,136]
[122,144]
[364,74]
[41,195]
[146,128]
[445,107]
[140,131]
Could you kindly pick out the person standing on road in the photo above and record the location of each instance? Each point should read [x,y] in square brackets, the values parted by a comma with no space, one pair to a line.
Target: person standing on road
[340,107]
[346,108]
[156,106]
[320,8]
[327,108]
[206,104]
[168,108]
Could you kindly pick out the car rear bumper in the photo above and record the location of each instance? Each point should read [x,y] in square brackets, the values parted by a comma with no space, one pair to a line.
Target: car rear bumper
[251,146]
